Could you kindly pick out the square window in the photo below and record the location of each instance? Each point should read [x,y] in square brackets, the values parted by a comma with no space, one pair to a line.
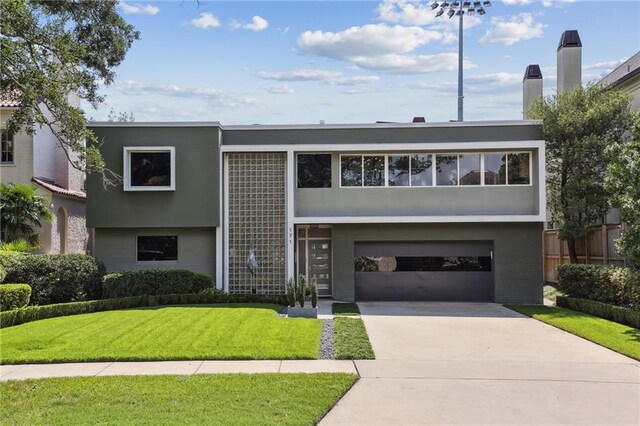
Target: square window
[519,169]
[351,170]
[398,168]
[157,248]
[373,170]
[446,169]
[495,169]
[421,171]
[314,170]
[469,169]
[149,169]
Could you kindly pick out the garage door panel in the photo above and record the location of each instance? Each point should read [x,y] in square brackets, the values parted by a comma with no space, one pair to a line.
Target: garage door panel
[424,286]
[438,271]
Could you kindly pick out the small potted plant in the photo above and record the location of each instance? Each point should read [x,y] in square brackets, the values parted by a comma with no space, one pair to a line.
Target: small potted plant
[299,293]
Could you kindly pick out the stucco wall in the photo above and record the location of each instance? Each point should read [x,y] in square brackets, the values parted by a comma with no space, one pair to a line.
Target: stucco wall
[196,248]
[21,171]
[50,233]
[517,253]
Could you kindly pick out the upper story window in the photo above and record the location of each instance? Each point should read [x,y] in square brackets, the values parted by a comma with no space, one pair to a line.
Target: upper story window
[446,169]
[314,170]
[149,168]
[7,147]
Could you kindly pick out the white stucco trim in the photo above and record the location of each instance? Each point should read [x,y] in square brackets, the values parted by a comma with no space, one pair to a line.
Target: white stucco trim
[225,221]
[290,188]
[126,162]
[542,181]
[447,124]
[220,229]
[419,219]
[387,147]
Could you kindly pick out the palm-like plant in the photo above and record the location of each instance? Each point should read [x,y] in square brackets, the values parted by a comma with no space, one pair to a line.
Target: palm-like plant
[21,210]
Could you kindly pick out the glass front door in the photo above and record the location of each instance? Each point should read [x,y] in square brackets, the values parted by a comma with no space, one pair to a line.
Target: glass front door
[314,256]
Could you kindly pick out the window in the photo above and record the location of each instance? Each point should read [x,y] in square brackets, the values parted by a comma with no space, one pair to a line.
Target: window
[7,146]
[495,167]
[469,169]
[157,248]
[314,170]
[421,171]
[446,169]
[373,166]
[351,170]
[149,169]
[422,263]
[398,170]
[518,169]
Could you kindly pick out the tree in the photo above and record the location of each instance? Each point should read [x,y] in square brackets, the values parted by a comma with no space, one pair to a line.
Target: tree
[21,210]
[120,117]
[623,181]
[578,126]
[51,49]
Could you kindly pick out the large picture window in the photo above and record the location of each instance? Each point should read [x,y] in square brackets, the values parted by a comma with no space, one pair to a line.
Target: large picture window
[157,248]
[422,263]
[440,169]
[314,170]
[7,147]
[149,169]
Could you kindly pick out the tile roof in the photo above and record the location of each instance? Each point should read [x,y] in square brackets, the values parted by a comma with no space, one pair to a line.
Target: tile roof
[8,101]
[626,70]
[58,189]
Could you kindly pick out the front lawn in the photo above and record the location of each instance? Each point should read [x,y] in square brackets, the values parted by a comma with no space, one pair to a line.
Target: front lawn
[225,399]
[618,337]
[164,333]
[350,339]
[350,309]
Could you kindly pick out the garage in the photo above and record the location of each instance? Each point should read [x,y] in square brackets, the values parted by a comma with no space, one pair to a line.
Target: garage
[424,271]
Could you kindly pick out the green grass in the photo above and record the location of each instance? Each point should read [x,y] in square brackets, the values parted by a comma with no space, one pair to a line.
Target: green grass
[221,399]
[164,333]
[618,337]
[345,309]
[350,339]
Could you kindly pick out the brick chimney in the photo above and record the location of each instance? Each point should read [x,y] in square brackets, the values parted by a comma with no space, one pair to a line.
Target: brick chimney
[531,88]
[419,120]
[569,61]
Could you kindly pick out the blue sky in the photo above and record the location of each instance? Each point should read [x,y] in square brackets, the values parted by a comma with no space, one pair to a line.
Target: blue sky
[269,62]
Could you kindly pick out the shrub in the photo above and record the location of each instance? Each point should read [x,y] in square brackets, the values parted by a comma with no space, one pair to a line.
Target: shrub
[3,273]
[302,290]
[291,292]
[313,288]
[56,278]
[608,284]
[14,296]
[619,314]
[22,246]
[154,282]
[35,313]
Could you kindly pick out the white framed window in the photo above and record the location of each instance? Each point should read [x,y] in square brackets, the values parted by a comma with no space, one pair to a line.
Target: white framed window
[445,169]
[7,147]
[149,168]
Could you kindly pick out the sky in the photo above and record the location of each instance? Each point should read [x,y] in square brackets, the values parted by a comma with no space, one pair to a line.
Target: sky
[300,62]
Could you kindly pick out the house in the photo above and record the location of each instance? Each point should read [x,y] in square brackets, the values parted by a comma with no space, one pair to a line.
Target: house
[626,77]
[381,211]
[39,160]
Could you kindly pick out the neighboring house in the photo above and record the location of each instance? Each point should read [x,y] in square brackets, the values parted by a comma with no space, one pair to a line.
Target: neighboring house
[387,211]
[626,78]
[39,160]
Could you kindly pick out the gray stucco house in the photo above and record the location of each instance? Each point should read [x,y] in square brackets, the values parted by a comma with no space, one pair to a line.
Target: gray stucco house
[385,211]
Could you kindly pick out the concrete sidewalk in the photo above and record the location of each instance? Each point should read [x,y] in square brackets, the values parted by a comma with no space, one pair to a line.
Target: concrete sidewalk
[37,371]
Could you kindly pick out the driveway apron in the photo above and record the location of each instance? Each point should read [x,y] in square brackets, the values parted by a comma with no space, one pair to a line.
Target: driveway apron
[483,364]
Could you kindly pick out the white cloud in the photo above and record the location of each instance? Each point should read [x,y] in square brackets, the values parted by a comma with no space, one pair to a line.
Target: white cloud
[499,82]
[518,28]
[412,12]
[133,87]
[280,89]
[206,20]
[607,65]
[380,47]
[138,9]
[558,3]
[517,2]
[257,24]
[328,77]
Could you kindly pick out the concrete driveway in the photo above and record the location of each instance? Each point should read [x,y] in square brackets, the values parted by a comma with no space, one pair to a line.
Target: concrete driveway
[483,364]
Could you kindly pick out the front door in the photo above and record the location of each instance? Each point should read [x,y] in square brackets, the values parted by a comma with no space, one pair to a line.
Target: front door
[314,256]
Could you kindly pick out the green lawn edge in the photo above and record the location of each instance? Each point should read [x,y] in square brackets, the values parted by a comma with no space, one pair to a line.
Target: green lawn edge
[350,339]
[164,333]
[347,309]
[229,399]
[612,335]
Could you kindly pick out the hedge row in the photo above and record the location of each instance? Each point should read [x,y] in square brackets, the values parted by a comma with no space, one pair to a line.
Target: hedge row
[35,313]
[155,281]
[14,296]
[607,284]
[55,278]
[630,317]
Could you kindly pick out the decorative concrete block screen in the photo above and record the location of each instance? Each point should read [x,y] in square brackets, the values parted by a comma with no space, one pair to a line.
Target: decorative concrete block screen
[257,222]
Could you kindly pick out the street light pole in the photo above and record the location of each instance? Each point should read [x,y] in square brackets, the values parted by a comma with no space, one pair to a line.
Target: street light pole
[460,56]
[478,7]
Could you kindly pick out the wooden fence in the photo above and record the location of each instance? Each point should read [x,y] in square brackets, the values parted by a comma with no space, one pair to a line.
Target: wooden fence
[596,248]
